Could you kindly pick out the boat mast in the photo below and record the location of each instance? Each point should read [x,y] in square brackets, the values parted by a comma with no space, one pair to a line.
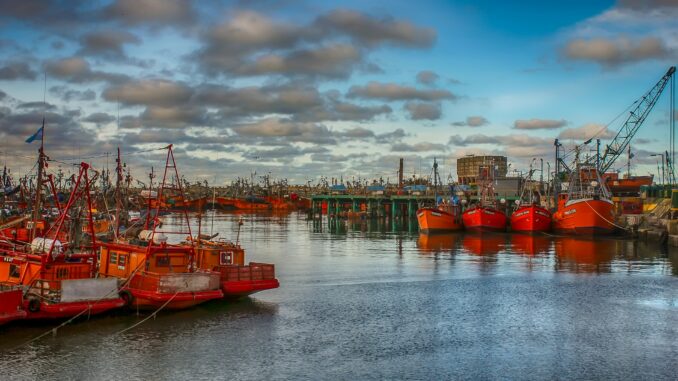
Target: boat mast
[118,193]
[38,187]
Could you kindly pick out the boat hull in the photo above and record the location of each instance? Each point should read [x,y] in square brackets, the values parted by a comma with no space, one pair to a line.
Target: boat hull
[484,219]
[151,301]
[587,217]
[11,306]
[432,220]
[531,219]
[48,311]
[242,288]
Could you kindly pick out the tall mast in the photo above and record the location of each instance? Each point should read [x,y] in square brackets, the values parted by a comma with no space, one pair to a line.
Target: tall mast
[38,187]
[118,193]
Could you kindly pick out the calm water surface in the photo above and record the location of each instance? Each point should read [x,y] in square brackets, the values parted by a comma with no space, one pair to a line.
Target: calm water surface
[367,301]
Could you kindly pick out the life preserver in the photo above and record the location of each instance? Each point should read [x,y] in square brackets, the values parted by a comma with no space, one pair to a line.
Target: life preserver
[34,305]
[127,297]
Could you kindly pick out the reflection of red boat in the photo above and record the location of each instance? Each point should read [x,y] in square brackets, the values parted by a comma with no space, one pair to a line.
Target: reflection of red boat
[11,304]
[528,244]
[585,254]
[489,244]
[437,242]
[484,218]
[441,219]
[531,218]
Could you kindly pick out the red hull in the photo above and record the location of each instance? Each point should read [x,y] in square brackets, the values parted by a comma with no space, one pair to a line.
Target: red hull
[585,217]
[432,220]
[11,302]
[531,218]
[484,219]
[241,288]
[71,309]
[149,300]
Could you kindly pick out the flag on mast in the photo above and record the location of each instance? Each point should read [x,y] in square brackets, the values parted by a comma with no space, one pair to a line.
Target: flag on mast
[37,134]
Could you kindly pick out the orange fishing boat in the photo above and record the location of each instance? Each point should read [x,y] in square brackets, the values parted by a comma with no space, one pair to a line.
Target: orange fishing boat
[587,208]
[58,278]
[156,274]
[444,217]
[237,279]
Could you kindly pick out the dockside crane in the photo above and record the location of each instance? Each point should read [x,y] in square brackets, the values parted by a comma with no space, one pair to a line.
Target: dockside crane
[641,109]
[635,119]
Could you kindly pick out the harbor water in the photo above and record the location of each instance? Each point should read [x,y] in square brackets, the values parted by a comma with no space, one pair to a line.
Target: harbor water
[363,300]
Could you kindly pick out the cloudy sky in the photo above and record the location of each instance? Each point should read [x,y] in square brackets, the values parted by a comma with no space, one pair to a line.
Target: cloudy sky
[302,89]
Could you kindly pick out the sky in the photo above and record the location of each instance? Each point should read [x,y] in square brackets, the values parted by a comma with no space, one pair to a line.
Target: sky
[304,89]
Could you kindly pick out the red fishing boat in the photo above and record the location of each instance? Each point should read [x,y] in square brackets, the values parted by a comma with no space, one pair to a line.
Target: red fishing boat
[587,208]
[11,304]
[485,216]
[529,216]
[443,217]
[154,273]
[58,277]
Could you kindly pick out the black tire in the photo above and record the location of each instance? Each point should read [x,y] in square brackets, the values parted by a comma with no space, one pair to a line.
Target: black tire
[34,305]
[127,297]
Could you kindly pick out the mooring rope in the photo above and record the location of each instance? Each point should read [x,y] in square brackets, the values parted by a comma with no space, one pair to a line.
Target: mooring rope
[148,317]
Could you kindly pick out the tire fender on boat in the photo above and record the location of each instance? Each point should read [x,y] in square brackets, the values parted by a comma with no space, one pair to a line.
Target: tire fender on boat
[34,305]
[127,297]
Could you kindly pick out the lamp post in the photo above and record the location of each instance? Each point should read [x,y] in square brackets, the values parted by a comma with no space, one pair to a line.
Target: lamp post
[663,174]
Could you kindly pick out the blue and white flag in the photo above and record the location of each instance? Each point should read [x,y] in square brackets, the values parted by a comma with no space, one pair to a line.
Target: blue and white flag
[36,135]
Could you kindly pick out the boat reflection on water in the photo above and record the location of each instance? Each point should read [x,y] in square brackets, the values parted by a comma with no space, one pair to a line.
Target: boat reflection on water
[484,244]
[437,243]
[530,244]
[585,255]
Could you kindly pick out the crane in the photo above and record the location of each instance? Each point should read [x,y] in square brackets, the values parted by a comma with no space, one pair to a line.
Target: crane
[635,119]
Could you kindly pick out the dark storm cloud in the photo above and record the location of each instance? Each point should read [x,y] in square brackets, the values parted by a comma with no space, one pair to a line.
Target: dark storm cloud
[77,70]
[107,43]
[615,52]
[472,121]
[424,110]
[16,70]
[395,92]
[427,77]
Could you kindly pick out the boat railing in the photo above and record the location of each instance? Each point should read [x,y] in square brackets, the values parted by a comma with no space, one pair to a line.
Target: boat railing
[253,271]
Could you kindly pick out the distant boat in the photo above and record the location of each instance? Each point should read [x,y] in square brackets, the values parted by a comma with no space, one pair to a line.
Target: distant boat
[444,216]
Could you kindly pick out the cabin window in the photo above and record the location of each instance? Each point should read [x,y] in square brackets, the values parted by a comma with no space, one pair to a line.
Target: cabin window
[225,257]
[162,261]
[122,260]
[114,258]
[14,271]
